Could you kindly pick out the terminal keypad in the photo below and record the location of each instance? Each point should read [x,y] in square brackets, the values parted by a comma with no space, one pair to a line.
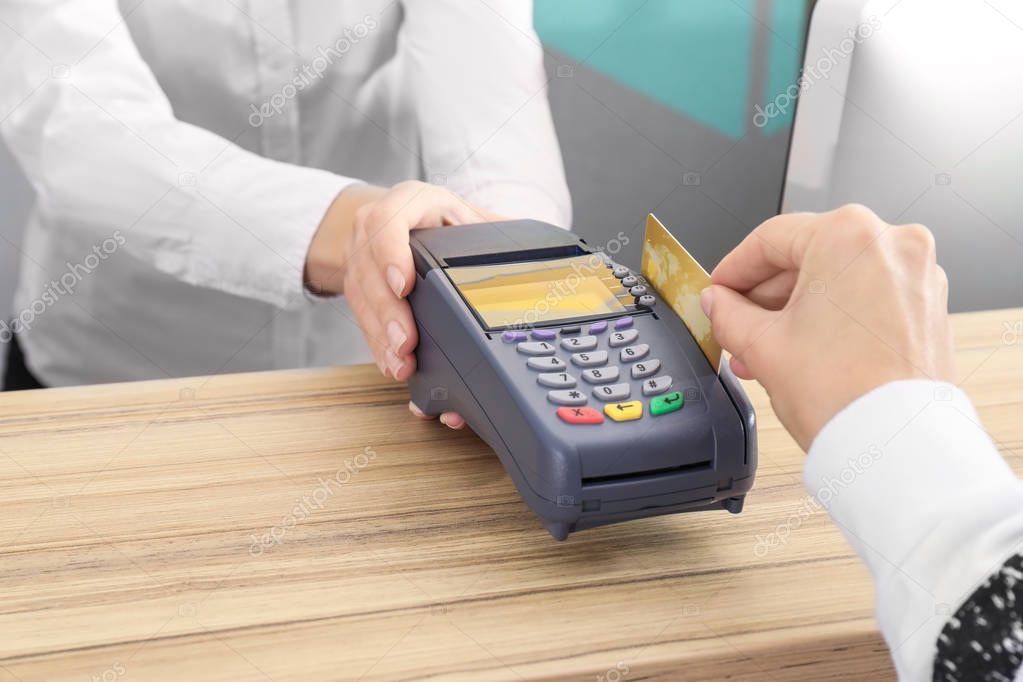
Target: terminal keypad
[605,366]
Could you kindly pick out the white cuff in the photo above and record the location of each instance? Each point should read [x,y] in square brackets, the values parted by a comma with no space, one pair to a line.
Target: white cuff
[274,211]
[923,496]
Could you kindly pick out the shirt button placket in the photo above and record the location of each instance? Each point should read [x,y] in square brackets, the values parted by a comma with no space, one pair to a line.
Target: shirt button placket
[276,61]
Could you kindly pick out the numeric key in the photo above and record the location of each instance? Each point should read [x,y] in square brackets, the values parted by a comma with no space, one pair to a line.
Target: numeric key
[577,344]
[597,358]
[536,348]
[647,368]
[604,375]
[612,393]
[623,337]
[634,353]
[546,364]
[556,380]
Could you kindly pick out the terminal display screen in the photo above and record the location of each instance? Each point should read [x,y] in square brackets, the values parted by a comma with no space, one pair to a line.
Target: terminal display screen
[540,292]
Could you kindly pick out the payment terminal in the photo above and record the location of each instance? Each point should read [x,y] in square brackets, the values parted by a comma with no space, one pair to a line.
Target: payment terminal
[597,400]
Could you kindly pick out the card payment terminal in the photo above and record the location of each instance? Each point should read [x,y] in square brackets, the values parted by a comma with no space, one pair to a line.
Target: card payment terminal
[597,400]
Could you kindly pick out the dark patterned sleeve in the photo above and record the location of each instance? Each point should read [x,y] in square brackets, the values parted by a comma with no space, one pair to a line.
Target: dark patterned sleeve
[984,639]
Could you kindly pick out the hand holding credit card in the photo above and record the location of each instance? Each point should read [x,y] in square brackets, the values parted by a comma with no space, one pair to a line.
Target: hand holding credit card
[679,279]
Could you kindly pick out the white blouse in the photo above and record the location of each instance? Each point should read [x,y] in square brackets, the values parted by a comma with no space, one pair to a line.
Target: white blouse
[183,153]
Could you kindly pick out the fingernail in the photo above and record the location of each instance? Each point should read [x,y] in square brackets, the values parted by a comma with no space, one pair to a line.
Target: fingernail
[381,366]
[393,363]
[451,422]
[707,300]
[395,280]
[396,335]
[415,410]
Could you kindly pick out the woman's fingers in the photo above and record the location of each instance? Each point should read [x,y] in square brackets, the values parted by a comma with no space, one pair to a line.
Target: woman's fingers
[774,292]
[781,244]
[771,248]
[452,420]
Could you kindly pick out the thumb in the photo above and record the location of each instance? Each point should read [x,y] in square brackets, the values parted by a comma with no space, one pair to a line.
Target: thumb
[736,322]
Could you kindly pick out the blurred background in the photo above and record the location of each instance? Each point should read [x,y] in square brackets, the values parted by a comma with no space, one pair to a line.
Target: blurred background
[656,117]
[655,102]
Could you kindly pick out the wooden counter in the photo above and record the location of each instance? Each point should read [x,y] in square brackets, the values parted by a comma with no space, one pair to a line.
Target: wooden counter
[304,526]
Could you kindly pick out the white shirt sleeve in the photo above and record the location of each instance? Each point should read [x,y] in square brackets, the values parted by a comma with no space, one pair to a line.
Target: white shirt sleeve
[97,138]
[923,496]
[478,85]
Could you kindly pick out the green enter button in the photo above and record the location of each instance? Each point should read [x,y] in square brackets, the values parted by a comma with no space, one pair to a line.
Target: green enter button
[666,403]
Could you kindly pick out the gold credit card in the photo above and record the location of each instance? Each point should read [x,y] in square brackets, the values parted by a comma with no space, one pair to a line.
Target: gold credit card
[679,279]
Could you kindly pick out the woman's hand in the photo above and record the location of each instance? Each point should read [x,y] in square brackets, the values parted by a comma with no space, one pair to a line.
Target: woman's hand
[822,308]
[361,250]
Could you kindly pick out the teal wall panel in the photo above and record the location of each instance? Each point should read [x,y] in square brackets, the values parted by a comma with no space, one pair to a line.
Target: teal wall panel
[694,56]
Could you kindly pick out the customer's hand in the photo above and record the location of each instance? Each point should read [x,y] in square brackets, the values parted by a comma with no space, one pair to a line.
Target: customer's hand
[822,308]
[361,249]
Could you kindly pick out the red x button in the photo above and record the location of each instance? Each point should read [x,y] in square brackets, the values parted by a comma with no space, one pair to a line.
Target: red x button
[580,415]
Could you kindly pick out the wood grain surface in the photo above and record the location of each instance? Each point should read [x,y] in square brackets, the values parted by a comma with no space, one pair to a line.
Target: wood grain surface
[303,526]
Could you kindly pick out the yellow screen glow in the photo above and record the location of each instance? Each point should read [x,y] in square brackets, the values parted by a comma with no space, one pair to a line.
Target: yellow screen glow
[537,292]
